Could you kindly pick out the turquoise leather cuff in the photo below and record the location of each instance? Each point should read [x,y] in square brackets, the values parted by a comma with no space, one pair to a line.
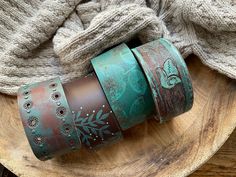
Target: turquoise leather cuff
[47,119]
[124,85]
[168,78]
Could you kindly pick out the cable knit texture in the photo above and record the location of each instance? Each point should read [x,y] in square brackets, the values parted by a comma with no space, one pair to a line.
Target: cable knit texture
[42,39]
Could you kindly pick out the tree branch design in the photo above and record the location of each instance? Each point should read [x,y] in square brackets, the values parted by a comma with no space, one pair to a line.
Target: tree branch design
[94,124]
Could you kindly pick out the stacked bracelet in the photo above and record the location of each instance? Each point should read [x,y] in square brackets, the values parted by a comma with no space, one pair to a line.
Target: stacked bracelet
[94,120]
[168,78]
[47,119]
[126,88]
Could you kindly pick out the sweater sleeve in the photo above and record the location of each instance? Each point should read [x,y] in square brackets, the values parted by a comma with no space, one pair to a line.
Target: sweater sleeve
[26,28]
[206,28]
[107,28]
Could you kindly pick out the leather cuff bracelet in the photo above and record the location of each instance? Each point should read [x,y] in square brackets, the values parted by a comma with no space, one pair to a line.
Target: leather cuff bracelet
[95,122]
[125,86]
[47,119]
[168,78]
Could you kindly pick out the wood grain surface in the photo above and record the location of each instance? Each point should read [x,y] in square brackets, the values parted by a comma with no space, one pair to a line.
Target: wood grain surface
[176,148]
[223,163]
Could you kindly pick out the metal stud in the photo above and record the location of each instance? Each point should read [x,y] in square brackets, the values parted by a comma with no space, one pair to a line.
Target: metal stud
[38,139]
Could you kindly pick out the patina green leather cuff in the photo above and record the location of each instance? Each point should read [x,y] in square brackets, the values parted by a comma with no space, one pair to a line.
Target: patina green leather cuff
[168,78]
[47,119]
[124,85]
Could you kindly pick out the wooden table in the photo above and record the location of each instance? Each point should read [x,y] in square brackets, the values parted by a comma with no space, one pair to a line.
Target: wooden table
[176,148]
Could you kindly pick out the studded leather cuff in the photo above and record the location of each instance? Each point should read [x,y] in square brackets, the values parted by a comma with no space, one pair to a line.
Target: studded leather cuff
[168,78]
[95,122]
[124,85]
[47,119]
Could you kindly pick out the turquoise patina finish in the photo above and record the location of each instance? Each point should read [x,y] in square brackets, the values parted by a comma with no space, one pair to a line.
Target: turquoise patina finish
[168,78]
[124,85]
[47,119]
[186,79]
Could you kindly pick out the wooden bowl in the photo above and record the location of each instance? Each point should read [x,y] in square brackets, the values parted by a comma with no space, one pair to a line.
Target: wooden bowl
[176,148]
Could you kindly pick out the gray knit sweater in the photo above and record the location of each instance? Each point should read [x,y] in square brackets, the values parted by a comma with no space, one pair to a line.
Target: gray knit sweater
[42,39]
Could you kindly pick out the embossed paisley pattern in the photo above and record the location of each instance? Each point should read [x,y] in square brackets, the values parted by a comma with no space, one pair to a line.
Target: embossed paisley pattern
[137,81]
[168,78]
[124,85]
[115,83]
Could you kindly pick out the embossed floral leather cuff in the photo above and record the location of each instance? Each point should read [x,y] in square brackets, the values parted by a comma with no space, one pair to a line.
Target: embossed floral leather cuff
[47,119]
[168,78]
[125,86]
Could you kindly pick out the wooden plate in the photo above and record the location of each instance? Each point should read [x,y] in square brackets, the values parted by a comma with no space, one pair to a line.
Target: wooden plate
[176,148]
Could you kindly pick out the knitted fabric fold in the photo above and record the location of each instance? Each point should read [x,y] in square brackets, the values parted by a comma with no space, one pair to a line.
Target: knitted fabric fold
[108,28]
[43,39]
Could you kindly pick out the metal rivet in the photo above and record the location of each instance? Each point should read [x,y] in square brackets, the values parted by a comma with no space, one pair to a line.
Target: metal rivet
[53,85]
[28,104]
[26,93]
[67,129]
[33,122]
[61,111]
[56,96]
